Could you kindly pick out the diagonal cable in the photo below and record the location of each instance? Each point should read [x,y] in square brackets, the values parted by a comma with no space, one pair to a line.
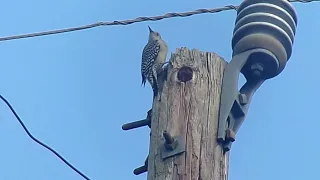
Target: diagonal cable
[38,141]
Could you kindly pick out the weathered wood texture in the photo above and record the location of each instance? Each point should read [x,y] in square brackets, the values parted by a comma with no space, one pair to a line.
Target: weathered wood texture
[189,109]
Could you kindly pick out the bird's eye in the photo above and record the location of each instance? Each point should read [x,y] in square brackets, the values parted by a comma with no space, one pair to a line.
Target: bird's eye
[157,34]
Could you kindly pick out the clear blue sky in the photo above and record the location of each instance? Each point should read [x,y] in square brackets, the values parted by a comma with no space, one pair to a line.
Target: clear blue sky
[75,90]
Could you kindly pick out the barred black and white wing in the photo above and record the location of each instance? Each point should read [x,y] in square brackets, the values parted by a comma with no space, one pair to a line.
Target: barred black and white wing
[149,55]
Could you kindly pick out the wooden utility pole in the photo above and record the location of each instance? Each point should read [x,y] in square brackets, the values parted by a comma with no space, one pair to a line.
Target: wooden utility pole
[188,111]
[200,100]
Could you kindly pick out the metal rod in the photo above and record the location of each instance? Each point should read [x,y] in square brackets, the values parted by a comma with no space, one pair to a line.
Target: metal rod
[140,170]
[136,124]
[169,139]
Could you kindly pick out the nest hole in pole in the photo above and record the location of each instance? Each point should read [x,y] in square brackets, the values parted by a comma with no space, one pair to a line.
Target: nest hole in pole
[185,74]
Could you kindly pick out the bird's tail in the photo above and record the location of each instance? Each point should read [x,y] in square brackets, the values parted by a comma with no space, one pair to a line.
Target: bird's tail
[143,81]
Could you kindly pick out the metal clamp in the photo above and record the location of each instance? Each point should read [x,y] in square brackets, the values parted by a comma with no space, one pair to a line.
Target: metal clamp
[262,44]
[235,104]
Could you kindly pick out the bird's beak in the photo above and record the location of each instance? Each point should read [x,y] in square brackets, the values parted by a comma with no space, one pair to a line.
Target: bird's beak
[150,30]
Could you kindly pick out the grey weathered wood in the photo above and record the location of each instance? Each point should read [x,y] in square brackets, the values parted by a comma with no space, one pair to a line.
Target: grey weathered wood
[191,110]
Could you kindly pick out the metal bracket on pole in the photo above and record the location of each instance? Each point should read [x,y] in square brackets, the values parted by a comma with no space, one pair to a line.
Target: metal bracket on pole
[235,104]
[172,146]
[262,44]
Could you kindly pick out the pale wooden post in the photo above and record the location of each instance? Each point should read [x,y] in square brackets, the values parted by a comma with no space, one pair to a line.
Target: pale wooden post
[190,110]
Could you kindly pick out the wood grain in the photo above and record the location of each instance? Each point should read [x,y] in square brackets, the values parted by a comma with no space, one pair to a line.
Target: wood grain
[189,109]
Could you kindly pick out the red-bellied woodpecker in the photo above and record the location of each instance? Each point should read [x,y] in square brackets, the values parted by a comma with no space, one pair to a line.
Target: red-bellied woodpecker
[153,58]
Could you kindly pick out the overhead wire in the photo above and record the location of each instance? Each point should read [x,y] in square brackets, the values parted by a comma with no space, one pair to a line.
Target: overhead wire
[123,22]
[131,21]
[38,141]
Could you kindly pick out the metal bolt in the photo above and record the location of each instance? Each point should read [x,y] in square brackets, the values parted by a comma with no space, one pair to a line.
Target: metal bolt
[170,142]
[140,123]
[140,170]
[256,69]
[243,99]
[136,124]
[169,139]
[227,147]
[230,135]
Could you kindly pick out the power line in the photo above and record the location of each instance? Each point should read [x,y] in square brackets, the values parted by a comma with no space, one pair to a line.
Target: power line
[131,21]
[39,142]
[123,22]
